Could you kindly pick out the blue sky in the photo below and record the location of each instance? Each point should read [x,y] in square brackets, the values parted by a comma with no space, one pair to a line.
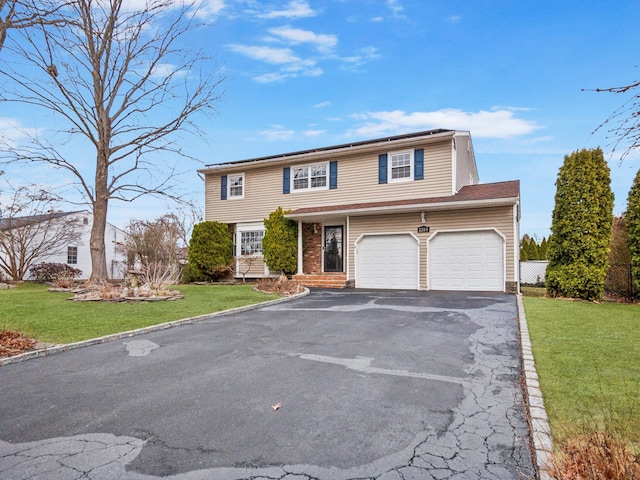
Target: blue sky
[302,74]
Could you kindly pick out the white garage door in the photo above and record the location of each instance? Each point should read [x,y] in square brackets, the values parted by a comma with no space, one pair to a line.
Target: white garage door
[466,261]
[387,261]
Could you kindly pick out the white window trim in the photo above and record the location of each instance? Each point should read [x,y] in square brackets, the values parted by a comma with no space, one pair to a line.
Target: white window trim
[309,187]
[254,227]
[390,155]
[244,186]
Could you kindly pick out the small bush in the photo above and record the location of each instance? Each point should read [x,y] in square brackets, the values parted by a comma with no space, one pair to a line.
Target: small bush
[575,281]
[53,272]
[597,456]
[281,285]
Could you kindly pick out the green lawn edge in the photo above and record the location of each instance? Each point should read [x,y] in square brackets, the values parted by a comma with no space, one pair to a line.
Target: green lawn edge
[587,357]
[52,318]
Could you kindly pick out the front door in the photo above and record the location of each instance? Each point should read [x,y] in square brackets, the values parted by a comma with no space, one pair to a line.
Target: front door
[333,249]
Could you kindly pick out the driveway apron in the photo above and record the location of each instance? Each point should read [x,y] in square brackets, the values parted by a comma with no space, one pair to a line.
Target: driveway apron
[341,384]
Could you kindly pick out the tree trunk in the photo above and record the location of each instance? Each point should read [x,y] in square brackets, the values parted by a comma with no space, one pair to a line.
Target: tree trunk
[98,254]
[100,206]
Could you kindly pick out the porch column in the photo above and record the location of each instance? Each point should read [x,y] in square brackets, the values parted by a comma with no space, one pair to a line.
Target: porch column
[300,269]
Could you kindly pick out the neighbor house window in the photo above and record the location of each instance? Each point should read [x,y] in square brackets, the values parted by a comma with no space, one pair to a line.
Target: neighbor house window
[72,255]
[236,186]
[251,242]
[310,177]
[400,166]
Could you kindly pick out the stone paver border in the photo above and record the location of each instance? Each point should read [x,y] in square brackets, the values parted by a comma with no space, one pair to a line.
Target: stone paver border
[538,420]
[132,333]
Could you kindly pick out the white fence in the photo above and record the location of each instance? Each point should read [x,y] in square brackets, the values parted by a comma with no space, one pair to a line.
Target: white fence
[532,271]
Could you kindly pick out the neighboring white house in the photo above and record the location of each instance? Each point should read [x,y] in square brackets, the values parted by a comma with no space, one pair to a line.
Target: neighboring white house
[77,253]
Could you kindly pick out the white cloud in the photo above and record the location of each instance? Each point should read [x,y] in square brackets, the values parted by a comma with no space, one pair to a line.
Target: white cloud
[274,56]
[396,8]
[295,9]
[362,56]
[291,65]
[205,8]
[322,104]
[482,124]
[454,18]
[323,42]
[12,132]
[314,133]
[277,133]
[210,8]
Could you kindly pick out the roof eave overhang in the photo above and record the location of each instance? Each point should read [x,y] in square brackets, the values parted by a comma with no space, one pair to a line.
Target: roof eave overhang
[414,207]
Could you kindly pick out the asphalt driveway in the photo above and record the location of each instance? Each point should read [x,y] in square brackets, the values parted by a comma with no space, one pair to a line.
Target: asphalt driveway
[340,384]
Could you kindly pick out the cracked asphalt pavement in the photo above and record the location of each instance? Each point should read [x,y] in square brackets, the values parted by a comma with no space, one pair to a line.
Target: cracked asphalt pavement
[385,385]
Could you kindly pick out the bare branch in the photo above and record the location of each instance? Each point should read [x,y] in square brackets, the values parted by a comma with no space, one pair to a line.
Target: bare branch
[121,84]
[623,125]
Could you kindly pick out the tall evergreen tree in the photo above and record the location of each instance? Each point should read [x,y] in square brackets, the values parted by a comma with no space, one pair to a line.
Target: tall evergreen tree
[581,227]
[632,218]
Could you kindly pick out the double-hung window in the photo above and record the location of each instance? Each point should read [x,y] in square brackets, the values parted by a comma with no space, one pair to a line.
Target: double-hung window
[236,186]
[310,177]
[401,166]
[72,255]
[251,242]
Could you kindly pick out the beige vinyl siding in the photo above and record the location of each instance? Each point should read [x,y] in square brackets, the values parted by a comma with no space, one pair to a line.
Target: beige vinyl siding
[500,218]
[253,267]
[357,183]
[465,168]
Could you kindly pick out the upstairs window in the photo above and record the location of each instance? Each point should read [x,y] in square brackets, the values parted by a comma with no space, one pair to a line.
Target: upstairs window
[309,177]
[400,166]
[236,186]
[72,255]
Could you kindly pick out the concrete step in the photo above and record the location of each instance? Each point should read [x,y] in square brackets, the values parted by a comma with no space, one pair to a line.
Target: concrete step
[328,280]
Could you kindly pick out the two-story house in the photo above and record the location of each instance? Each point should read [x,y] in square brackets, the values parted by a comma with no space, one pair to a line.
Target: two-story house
[401,212]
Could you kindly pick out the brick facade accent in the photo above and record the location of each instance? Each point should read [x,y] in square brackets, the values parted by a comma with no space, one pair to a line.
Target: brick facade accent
[311,249]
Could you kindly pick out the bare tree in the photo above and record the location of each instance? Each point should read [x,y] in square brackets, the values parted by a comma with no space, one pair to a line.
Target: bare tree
[123,85]
[31,230]
[19,14]
[156,248]
[624,124]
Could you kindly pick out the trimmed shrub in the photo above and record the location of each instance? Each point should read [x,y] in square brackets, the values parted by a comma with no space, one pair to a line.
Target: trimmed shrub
[51,272]
[210,251]
[280,243]
[576,281]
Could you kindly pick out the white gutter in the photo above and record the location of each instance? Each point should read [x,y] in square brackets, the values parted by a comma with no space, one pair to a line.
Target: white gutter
[403,208]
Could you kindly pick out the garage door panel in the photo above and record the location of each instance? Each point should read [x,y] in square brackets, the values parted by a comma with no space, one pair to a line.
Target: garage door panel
[466,261]
[387,261]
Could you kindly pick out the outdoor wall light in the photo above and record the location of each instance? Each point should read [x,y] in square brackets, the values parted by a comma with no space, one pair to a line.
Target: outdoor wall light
[315,228]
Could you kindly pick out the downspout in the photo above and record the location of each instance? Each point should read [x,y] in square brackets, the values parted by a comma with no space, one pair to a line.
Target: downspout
[300,268]
[348,245]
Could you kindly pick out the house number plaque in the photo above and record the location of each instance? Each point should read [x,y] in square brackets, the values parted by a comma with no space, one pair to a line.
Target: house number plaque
[423,229]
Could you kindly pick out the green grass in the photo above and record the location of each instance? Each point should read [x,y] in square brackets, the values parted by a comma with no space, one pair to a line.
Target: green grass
[588,361]
[50,317]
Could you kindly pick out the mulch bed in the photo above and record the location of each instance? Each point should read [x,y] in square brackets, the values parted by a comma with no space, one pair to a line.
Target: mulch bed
[13,343]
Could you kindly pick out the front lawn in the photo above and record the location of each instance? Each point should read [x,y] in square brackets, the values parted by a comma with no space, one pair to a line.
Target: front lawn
[588,361]
[50,317]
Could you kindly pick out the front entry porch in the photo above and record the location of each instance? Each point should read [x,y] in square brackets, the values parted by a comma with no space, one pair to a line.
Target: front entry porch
[322,280]
[321,259]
